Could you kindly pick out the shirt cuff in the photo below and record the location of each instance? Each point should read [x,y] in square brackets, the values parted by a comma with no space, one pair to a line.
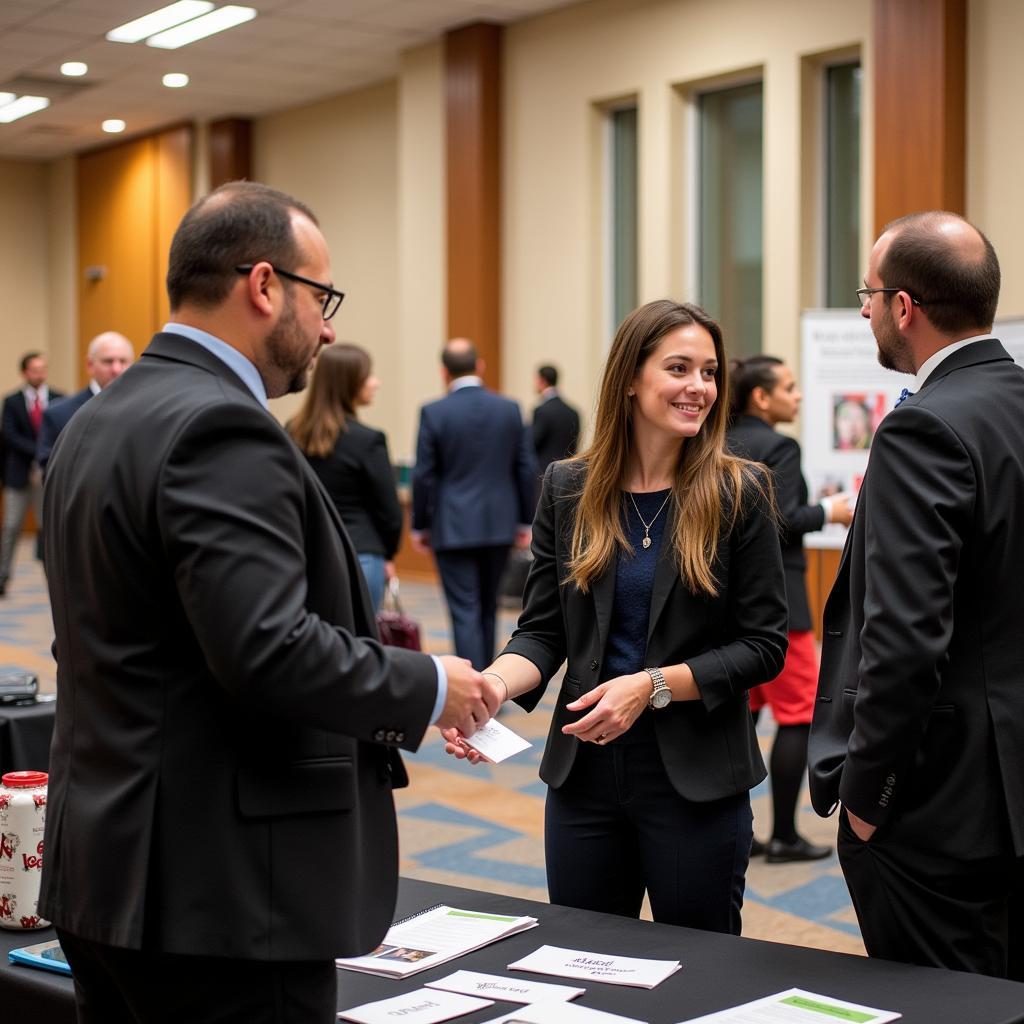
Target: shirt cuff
[826,504]
[442,689]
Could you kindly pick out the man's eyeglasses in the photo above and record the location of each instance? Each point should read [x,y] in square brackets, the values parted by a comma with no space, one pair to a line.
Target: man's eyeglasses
[864,295]
[332,297]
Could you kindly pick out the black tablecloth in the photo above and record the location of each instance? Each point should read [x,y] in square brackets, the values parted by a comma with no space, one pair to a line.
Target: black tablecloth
[25,733]
[718,970]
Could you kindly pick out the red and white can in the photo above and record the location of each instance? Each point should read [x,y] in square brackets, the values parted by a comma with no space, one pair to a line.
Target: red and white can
[22,818]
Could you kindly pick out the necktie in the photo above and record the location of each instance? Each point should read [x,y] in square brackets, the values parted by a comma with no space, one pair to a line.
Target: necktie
[35,414]
[904,395]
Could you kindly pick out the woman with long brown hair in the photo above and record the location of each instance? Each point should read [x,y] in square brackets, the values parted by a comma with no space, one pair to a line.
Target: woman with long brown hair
[351,459]
[657,577]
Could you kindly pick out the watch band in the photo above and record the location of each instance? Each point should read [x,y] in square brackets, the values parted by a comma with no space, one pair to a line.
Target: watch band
[661,695]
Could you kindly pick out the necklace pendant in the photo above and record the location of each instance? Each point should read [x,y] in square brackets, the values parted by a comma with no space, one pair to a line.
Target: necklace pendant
[647,542]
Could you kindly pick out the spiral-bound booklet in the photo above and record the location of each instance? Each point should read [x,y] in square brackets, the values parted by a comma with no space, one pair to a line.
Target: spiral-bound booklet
[434,936]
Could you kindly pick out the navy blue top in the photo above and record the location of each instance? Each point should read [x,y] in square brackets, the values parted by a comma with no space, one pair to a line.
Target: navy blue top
[626,649]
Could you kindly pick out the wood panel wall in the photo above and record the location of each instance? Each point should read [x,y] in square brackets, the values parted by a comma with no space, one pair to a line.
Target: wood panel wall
[230,144]
[130,200]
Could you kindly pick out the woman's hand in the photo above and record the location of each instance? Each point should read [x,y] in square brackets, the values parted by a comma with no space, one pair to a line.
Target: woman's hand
[615,706]
[455,744]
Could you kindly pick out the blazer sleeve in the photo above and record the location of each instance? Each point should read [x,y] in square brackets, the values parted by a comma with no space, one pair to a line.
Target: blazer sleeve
[795,517]
[917,509]
[756,611]
[424,473]
[540,634]
[540,427]
[48,431]
[235,543]
[526,473]
[381,494]
[14,436]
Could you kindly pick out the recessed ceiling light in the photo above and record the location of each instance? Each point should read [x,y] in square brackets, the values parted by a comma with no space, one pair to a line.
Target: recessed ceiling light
[22,107]
[113,125]
[175,80]
[157,21]
[199,28]
[74,69]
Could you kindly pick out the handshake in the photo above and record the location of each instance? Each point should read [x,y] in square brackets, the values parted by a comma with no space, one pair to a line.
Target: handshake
[473,699]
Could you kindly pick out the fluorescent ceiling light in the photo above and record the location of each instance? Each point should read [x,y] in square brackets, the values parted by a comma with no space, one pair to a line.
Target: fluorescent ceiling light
[74,68]
[113,125]
[175,80]
[22,107]
[200,28]
[157,21]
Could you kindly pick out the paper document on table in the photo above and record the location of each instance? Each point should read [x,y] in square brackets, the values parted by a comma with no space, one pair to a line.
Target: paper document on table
[561,1013]
[421,1006]
[496,741]
[611,970]
[434,937]
[796,1006]
[511,990]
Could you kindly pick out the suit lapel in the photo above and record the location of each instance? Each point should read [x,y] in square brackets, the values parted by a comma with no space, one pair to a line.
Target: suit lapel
[604,595]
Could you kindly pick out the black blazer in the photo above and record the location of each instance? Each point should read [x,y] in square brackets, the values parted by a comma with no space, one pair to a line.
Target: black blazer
[556,431]
[358,477]
[752,438]
[55,419]
[222,763]
[731,642]
[19,439]
[919,725]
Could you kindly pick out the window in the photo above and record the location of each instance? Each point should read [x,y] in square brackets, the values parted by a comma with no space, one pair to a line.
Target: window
[842,182]
[730,193]
[622,213]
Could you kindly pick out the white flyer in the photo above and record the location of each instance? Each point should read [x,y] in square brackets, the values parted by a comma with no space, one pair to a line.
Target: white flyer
[496,742]
[561,1013]
[511,990]
[611,970]
[797,1006]
[421,1006]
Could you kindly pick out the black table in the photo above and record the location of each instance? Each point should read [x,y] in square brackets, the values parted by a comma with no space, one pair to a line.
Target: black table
[718,970]
[25,733]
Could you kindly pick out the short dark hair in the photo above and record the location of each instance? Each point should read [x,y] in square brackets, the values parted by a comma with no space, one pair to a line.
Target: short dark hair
[956,293]
[239,222]
[548,374]
[27,358]
[747,374]
[460,361]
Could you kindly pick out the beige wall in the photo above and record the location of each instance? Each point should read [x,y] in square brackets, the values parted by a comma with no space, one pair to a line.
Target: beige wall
[340,157]
[62,259]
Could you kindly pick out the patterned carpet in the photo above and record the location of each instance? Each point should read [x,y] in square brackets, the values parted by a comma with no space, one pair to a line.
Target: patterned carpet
[481,827]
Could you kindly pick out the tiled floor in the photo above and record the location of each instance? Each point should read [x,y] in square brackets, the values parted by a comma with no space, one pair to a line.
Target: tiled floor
[481,826]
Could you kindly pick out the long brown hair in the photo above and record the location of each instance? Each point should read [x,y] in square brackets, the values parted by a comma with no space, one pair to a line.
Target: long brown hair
[709,483]
[341,371]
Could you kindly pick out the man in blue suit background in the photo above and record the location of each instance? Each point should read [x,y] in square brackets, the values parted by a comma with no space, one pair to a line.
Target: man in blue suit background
[473,495]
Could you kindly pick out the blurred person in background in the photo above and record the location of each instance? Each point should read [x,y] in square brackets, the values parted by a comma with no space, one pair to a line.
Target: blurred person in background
[765,394]
[352,459]
[555,425]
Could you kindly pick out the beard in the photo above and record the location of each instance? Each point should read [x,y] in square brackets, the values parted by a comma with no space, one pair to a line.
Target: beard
[288,358]
[893,351]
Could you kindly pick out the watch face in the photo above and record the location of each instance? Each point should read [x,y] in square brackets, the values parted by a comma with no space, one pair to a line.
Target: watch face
[661,698]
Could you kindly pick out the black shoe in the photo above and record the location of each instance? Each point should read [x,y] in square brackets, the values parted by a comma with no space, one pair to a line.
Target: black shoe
[779,852]
[757,848]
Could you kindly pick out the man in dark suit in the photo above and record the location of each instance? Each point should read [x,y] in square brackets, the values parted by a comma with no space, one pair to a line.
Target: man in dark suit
[556,424]
[919,726]
[23,411]
[473,492]
[108,356]
[220,822]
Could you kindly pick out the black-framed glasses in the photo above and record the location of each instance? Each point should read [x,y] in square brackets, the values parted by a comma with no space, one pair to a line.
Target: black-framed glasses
[864,295]
[331,300]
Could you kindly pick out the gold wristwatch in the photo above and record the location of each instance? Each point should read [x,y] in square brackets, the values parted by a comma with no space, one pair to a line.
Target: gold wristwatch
[661,695]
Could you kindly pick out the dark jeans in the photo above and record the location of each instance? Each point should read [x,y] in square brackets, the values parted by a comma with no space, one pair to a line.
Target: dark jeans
[617,827]
[131,986]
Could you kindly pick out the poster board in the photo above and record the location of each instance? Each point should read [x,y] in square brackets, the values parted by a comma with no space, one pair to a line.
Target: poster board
[846,394]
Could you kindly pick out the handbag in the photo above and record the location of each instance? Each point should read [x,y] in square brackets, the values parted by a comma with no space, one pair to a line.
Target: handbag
[395,627]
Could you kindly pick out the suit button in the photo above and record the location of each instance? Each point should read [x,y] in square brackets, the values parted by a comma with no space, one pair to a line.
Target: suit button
[379,735]
[399,737]
[594,665]
[390,736]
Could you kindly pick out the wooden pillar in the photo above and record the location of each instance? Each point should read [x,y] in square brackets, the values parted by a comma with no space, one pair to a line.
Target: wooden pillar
[473,137]
[920,58]
[230,143]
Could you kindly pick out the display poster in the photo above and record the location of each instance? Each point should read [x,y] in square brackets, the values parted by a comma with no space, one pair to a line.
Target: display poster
[846,394]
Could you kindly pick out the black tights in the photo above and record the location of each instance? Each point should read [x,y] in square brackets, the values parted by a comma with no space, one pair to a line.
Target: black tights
[786,767]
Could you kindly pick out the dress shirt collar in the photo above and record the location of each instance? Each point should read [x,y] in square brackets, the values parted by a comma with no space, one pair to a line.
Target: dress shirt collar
[229,356]
[548,393]
[469,381]
[30,394]
[929,365]
[94,388]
